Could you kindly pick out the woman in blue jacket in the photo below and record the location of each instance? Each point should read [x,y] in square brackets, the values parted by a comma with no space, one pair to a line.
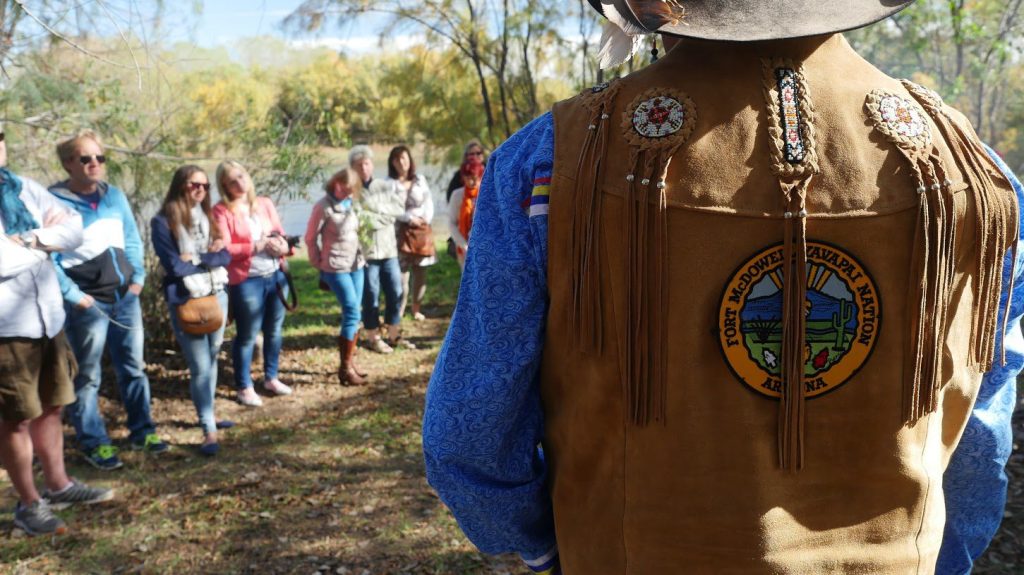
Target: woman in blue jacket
[193,256]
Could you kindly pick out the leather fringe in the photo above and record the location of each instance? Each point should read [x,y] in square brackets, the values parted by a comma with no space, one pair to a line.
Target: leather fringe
[647,265]
[932,262]
[794,325]
[585,314]
[644,345]
[997,221]
[794,160]
[934,259]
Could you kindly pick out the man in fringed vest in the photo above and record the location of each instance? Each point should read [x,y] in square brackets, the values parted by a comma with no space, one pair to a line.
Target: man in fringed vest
[742,311]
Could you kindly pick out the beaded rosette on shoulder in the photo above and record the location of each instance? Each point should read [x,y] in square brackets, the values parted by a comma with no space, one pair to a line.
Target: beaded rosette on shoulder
[794,160]
[904,121]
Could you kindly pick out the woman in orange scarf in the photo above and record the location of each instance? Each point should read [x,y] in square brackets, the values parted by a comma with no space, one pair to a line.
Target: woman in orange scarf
[462,205]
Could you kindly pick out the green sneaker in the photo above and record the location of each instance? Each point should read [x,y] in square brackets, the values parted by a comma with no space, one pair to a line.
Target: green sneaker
[104,457]
[151,444]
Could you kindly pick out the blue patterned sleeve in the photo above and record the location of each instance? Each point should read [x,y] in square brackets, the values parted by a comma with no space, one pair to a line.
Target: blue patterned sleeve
[483,421]
[975,481]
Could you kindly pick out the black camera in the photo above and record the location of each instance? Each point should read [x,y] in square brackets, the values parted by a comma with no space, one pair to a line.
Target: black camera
[293,241]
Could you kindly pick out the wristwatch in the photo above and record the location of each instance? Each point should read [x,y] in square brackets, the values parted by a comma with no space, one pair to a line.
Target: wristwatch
[28,239]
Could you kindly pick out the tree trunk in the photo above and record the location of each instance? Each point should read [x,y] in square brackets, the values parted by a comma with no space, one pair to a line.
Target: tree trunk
[474,54]
[502,69]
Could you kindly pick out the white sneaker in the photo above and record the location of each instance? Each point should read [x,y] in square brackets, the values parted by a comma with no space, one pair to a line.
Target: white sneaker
[378,345]
[249,398]
[276,387]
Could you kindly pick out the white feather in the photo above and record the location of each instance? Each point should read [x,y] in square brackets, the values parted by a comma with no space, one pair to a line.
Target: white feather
[620,39]
[616,46]
[622,22]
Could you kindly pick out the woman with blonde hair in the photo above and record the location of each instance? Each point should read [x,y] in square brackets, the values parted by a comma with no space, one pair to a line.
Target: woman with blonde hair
[332,241]
[193,255]
[257,285]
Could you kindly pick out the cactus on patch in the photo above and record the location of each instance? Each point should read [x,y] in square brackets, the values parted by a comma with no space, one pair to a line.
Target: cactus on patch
[839,321]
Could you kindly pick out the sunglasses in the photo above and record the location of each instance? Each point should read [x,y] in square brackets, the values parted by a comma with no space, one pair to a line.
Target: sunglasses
[86,160]
[475,154]
[1,136]
[197,185]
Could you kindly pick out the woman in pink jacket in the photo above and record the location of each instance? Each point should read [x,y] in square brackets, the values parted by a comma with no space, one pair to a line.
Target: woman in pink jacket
[257,287]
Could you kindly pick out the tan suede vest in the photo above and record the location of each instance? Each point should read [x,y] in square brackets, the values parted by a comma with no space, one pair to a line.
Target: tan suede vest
[675,442]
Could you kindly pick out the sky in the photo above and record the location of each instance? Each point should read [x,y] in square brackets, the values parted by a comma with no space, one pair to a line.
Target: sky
[222,22]
[217,23]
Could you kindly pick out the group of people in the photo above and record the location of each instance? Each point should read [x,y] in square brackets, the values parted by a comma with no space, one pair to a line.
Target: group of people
[72,269]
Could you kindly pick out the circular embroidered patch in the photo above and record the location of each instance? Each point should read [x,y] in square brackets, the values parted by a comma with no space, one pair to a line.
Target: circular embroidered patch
[902,120]
[843,314]
[658,117]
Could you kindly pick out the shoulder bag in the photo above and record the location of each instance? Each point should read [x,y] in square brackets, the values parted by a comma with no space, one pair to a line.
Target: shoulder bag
[415,240]
[201,315]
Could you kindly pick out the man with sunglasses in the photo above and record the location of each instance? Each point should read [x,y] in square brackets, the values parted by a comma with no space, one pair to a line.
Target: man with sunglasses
[101,281]
[35,362]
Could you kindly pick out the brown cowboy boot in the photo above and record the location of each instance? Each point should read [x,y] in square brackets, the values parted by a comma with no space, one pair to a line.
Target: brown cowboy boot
[347,374]
[355,366]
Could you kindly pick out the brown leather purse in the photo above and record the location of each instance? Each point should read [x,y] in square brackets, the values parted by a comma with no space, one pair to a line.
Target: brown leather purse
[415,240]
[200,315]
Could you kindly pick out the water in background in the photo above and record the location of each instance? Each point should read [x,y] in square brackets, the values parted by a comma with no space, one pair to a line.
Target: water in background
[295,212]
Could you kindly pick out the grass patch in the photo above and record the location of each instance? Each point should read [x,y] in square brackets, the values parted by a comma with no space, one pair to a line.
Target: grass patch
[328,476]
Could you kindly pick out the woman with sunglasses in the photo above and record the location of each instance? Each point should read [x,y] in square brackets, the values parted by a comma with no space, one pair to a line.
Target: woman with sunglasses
[473,150]
[257,286]
[463,206]
[189,246]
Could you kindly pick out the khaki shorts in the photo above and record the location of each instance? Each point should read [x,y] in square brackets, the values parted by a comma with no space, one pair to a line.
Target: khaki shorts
[35,373]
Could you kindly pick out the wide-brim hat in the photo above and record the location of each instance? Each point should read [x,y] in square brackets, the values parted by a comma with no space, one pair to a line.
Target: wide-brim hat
[750,20]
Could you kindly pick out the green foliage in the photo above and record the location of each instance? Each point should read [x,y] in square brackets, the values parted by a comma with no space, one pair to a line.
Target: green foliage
[970,52]
[482,61]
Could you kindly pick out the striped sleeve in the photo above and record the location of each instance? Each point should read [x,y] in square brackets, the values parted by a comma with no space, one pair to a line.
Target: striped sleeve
[483,421]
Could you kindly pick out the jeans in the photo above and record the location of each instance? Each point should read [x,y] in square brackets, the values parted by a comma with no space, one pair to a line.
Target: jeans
[89,331]
[388,273]
[256,306]
[201,354]
[348,289]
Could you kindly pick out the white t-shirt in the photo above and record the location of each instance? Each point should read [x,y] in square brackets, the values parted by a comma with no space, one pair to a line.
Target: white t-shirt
[262,265]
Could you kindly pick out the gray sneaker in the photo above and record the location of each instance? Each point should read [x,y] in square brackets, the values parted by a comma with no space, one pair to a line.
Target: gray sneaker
[78,493]
[38,519]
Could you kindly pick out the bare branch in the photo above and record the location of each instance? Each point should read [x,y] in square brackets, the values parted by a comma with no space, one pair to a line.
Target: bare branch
[67,40]
[138,69]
